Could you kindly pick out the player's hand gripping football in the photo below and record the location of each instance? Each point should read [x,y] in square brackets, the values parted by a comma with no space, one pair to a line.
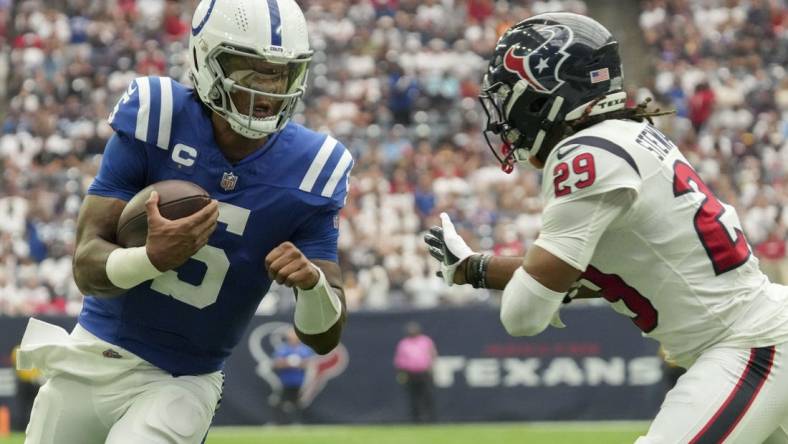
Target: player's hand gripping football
[448,247]
[287,265]
[170,243]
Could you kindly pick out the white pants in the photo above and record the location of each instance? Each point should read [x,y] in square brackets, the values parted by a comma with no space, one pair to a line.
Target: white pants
[99,393]
[729,395]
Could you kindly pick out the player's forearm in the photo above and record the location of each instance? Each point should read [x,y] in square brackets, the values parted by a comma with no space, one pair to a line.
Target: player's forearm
[322,343]
[500,271]
[320,305]
[497,274]
[90,268]
[98,221]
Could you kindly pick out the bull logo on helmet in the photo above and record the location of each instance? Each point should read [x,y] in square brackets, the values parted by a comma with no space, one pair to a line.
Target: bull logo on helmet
[540,67]
[262,342]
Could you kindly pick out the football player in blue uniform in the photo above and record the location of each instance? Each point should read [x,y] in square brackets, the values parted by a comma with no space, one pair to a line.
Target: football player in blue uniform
[144,362]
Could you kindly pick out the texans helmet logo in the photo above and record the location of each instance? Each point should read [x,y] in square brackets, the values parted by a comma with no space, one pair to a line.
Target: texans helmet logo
[541,66]
[262,342]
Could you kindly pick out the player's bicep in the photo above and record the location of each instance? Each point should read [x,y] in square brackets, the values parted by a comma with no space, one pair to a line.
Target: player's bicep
[96,227]
[550,270]
[123,170]
[98,218]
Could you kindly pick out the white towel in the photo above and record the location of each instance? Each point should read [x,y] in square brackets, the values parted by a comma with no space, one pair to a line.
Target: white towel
[52,350]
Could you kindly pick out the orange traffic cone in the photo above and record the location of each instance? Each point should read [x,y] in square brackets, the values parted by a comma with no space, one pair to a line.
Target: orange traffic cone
[5,421]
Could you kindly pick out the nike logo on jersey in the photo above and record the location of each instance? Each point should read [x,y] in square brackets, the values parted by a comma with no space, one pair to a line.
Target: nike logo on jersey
[561,154]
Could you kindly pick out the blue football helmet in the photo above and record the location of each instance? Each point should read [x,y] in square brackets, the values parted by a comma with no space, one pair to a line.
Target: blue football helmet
[546,72]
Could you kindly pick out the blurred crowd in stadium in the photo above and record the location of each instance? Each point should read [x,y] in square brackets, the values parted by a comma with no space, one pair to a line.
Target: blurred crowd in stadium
[396,81]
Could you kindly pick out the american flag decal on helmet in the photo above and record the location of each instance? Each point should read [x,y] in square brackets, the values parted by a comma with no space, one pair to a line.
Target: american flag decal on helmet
[600,75]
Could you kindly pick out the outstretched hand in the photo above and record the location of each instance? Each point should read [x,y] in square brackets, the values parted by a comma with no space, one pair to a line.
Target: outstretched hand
[448,247]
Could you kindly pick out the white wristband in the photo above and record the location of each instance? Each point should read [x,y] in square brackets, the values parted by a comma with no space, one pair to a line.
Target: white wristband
[318,308]
[129,267]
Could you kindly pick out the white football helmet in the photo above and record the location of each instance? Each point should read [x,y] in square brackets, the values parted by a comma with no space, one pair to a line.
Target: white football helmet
[230,40]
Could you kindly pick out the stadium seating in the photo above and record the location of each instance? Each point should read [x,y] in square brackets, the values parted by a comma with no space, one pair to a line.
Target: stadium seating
[396,80]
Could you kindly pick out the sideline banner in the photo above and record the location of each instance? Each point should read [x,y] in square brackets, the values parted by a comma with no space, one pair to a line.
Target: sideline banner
[598,368]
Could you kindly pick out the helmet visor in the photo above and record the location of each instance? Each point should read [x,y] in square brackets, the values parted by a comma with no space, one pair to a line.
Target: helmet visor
[260,87]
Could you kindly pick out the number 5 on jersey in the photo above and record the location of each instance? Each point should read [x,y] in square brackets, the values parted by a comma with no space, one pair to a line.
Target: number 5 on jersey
[216,265]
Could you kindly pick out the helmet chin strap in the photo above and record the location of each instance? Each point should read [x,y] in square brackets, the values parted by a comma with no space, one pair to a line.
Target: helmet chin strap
[523,154]
[605,104]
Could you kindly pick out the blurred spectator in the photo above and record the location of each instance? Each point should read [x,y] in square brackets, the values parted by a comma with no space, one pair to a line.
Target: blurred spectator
[425,289]
[291,359]
[701,105]
[772,255]
[413,359]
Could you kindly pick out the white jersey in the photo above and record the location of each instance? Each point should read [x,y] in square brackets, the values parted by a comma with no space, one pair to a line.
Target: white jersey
[675,260]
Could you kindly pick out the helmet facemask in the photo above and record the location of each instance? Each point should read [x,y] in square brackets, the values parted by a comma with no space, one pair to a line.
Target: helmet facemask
[521,138]
[256,94]
[498,132]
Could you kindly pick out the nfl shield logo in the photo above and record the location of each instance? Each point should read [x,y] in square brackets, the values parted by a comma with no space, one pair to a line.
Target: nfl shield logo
[228,181]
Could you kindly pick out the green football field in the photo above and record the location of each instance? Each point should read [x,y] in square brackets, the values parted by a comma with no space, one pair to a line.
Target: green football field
[500,433]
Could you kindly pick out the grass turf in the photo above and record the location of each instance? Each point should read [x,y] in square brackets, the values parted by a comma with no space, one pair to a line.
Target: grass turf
[498,433]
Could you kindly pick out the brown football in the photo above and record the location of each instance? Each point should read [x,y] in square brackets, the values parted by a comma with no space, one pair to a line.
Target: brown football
[177,199]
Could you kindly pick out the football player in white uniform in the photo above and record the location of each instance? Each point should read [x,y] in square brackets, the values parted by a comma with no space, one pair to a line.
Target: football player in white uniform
[627,216]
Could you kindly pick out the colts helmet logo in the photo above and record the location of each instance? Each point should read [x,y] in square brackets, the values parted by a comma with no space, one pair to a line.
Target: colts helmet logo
[262,342]
[540,67]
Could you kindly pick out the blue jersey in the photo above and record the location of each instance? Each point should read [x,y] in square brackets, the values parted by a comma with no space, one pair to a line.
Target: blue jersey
[187,320]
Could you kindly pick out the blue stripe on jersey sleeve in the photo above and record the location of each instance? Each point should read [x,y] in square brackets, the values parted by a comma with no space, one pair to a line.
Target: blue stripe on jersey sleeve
[337,186]
[148,109]
[155,110]
[339,195]
[123,169]
[328,168]
[123,118]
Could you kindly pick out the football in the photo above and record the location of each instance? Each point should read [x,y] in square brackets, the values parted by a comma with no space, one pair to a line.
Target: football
[177,198]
